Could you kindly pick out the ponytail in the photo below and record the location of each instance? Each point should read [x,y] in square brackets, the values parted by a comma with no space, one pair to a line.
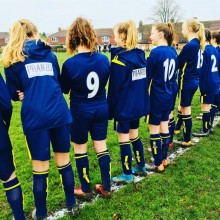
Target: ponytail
[171,35]
[201,36]
[168,31]
[197,27]
[128,31]
[131,41]
[19,32]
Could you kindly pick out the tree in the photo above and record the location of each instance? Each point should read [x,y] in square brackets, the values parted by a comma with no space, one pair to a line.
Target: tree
[43,36]
[166,11]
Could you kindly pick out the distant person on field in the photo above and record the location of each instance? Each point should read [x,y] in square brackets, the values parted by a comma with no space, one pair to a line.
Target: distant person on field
[128,98]
[189,64]
[209,83]
[32,73]
[104,47]
[85,75]
[7,168]
[109,46]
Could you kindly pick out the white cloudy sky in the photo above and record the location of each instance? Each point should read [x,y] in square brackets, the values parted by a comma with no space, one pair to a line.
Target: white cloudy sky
[48,15]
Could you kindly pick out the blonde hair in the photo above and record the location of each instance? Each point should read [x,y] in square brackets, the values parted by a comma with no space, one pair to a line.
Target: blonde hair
[129,34]
[81,32]
[197,27]
[19,32]
[167,30]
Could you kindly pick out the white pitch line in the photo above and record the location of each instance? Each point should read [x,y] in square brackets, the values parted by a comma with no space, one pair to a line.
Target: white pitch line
[61,213]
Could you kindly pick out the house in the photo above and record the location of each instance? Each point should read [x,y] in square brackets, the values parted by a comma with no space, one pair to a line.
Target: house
[4,37]
[58,38]
[104,37]
[144,32]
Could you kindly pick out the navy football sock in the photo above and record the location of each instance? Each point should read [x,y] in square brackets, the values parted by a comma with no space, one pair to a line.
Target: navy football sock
[138,151]
[82,164]
[179,121]
[165,144]
[171,128]
[205,121]
[67,177]
[105,169]
[126,157]
[187,121]
[155,143]
[15,198]
[40,186]
[213,110]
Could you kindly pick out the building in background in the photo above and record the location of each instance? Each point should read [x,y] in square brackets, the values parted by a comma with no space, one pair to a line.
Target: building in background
[105,36]
[4,37]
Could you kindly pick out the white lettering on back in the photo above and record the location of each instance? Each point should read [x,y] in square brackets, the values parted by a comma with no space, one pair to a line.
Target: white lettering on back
[139,74]
[39,69]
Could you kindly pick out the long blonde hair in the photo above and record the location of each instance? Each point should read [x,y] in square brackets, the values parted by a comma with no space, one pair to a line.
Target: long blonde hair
[19,32]
[129,33]
[197,27]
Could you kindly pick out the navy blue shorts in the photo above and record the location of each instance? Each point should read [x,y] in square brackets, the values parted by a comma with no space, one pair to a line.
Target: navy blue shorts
[125,126]
[187,92]
[156,117]
[39,142]
[207,99]
[216,99]
[93,121]
[6,158]
[174,94]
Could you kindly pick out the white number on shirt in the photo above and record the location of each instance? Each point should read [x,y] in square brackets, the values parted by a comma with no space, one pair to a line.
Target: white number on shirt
[169,69]
[200,59]
[214,67]
[92,83]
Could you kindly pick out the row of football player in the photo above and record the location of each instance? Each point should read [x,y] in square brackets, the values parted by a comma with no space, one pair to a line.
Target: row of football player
[137,87]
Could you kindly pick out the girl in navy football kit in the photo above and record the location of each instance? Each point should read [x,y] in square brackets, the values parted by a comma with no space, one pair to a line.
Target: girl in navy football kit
[128,98]
[215,41]
[174,87]
[161,67]
[7,169]
[208,83]
[189,64]
[85,76]
[32,74]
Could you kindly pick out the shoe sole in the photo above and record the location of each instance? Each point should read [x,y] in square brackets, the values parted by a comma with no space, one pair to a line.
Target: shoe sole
[183,146]
[200,135]
[140,174]
[159,171]
[84,198]
[103,195]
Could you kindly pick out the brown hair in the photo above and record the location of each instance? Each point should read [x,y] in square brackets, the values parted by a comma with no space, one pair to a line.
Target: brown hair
[81,33]
[216,35]
[167,30]
[208,35]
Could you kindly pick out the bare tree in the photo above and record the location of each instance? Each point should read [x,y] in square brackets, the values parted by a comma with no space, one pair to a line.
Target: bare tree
[166,10]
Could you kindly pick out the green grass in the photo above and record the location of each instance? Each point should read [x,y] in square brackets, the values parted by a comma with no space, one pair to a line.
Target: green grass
[189,189]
